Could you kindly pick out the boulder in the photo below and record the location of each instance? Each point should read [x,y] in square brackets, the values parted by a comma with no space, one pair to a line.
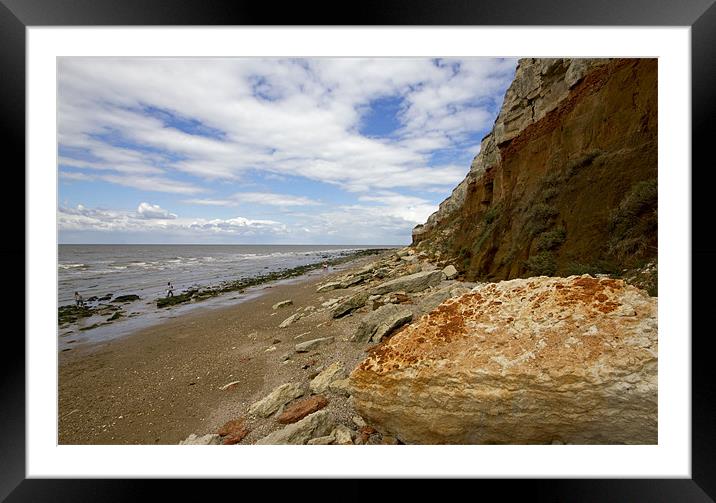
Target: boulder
[434,299]
[305,347]
[350,304]
[341,386]
[210,439]
[450,272]
[276,399]
[283,303]
[322,381]
[291,320]
[411,283]
[526,361]
[302,408]
[381,322]
[328,286]
[318,424]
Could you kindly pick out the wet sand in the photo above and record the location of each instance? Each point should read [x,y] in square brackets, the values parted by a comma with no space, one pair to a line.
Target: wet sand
[163,383]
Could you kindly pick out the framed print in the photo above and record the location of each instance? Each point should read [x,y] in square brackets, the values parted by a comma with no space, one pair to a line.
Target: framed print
[460,201]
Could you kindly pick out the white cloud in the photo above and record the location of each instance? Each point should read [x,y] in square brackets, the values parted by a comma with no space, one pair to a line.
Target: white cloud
[283,117]
[86,219]
[146,210]
[257,198]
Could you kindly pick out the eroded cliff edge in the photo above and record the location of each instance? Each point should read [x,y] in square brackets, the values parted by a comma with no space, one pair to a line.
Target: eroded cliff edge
[566,182]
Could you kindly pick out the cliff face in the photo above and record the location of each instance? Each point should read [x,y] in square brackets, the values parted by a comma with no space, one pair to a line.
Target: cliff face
[566,181]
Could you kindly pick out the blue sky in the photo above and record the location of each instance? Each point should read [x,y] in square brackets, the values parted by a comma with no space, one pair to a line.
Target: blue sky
[295,151]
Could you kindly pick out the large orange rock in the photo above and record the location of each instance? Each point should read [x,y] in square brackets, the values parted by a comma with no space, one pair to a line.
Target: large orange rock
[537,360]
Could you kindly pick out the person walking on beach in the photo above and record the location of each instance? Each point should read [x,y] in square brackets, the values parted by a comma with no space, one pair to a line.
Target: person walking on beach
[170,290]
[325,266]
[79,301]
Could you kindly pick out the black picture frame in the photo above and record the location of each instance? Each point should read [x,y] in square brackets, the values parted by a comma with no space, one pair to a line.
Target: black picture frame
[700,15]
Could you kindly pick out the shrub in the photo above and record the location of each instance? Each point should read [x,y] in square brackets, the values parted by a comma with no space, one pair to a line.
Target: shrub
[633,224]
[542,264]
[551,239]
[540,218]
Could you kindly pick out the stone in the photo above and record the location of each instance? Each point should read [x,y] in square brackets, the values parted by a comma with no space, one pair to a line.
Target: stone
[330,302]
[341,386]
[352,281]
[327,440]
[279,397]
[381,322]
[524,361]
[328,286]
[450,272]
[411,283]
[291,320]
[318,424]
[359,421]
[210,439]
[283,303]
[343,435]
[322,381]
[349,305]
[233,431]
[302,408]
[305,347]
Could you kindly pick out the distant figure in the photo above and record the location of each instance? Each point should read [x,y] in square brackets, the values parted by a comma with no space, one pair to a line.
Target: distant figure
[79,300]
[325,266]
[170,290]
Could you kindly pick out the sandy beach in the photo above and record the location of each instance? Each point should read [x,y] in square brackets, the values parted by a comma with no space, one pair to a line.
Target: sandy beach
[161,384]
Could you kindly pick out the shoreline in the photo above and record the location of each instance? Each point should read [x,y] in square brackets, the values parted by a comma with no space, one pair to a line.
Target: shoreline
[161,383]
[89,326]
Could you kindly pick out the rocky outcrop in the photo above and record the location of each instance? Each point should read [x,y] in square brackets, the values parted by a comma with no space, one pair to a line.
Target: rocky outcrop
[410,283]
[566,181]
[526,361]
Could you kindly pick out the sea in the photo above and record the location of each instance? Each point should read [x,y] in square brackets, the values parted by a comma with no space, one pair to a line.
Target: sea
[145,270]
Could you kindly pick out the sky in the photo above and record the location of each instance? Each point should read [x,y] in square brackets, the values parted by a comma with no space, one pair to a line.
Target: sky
[266,151]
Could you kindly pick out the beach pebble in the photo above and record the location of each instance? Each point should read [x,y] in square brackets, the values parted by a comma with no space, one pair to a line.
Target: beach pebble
[281,304]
